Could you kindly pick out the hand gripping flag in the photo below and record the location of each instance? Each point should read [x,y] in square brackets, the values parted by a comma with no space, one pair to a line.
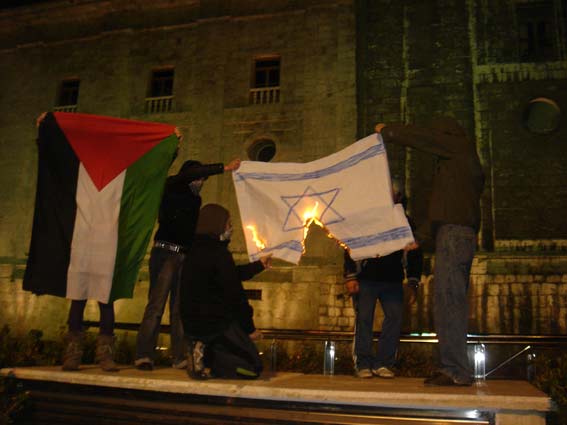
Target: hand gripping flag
[349,193]
[99,187]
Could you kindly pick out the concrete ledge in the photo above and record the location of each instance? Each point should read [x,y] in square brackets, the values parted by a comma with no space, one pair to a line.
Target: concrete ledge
[506,400]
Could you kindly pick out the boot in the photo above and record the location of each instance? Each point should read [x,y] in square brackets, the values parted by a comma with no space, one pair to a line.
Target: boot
[73,351]
[196,362]
[104,351]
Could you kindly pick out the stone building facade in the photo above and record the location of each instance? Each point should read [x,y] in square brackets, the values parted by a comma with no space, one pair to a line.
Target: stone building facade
[296,80]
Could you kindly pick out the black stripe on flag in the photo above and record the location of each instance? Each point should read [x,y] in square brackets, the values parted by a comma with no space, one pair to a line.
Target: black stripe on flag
[54,215]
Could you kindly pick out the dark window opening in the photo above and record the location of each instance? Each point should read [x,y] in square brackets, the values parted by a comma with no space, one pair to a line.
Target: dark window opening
[162,83]
[262,150]
[68,93]
[267,73]
[536,28]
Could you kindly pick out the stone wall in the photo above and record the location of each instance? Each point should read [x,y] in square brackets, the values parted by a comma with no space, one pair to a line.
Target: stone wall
[509,294]
[461,58]
[112,47]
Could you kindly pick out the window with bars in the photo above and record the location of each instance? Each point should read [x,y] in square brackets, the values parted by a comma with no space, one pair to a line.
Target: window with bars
[68,95]
[160,96]
[537,31]
[162,82]
[265,81]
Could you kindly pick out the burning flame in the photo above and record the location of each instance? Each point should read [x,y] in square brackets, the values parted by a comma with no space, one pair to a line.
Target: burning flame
[259,242]
[309,217]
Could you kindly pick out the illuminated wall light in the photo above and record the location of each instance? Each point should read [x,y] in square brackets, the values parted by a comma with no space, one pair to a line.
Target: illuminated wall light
[479,362]
[329,358]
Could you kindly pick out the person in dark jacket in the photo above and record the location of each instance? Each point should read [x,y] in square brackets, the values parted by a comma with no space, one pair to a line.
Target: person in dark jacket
[178,214]
[381,279]
[215,311]
[453,222]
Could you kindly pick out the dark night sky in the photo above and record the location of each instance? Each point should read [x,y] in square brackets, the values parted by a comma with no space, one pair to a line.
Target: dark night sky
[7,4]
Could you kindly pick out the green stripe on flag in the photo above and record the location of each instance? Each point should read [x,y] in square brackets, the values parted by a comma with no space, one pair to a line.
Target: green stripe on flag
[141,197]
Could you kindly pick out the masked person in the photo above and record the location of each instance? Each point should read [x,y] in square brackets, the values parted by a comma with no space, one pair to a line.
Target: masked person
[178,215]
[216,314]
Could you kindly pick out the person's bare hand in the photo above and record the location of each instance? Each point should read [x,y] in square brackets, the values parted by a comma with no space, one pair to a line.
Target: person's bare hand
[378,127]
[352,286]
[256,335]
[232,165]
[39,119]
[178,133]
[411,246]
[266,261]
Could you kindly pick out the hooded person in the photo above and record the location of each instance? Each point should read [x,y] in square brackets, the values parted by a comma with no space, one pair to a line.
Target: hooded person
[178,213]
[216,315]
[453,222]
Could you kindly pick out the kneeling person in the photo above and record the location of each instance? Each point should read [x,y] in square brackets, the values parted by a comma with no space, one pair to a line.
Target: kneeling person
[216,315]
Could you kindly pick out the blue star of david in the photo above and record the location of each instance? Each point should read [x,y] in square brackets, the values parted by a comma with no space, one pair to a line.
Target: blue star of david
[294,219]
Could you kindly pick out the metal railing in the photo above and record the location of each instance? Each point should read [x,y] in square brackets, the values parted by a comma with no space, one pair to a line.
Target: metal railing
[158,105]
[264,95]
[429,338]
[65,108]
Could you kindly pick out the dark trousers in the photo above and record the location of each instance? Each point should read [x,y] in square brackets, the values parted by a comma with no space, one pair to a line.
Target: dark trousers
[165,273]
[232,354]
[76,313]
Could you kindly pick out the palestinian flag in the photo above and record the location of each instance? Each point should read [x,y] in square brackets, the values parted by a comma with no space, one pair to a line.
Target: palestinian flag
[99,187]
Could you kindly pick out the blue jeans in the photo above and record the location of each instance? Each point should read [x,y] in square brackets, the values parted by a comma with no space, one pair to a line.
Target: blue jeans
[454,252]
[165,274]
[391,298]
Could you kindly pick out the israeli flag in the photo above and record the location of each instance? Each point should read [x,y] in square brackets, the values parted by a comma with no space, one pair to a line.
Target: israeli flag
[349,193]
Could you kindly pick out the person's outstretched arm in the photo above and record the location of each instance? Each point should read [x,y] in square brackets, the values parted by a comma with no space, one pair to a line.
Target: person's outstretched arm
[423,139]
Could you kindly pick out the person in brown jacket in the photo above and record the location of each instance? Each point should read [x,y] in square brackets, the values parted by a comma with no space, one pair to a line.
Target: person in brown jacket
[453,222]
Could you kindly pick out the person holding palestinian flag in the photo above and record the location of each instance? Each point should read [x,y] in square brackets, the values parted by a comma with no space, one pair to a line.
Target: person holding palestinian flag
[99,186]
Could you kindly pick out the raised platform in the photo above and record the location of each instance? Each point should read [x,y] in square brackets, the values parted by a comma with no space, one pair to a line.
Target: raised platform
[167,396]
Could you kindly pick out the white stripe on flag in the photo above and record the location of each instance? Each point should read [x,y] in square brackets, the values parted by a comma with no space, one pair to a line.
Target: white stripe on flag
[95,238]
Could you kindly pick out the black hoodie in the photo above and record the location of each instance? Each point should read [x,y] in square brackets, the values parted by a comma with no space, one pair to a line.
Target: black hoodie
[212,295]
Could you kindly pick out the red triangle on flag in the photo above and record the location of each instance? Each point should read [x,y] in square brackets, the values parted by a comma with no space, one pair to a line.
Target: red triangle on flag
[107,146]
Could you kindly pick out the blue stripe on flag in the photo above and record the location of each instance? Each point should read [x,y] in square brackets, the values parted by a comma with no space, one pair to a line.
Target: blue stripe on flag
[371,152]
[292,245]
[390,235]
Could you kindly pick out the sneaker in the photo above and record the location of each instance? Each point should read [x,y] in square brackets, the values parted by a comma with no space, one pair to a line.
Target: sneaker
[364,373]
[441,379]
[383,372]
[198,356]
[180,365]
[144,364]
